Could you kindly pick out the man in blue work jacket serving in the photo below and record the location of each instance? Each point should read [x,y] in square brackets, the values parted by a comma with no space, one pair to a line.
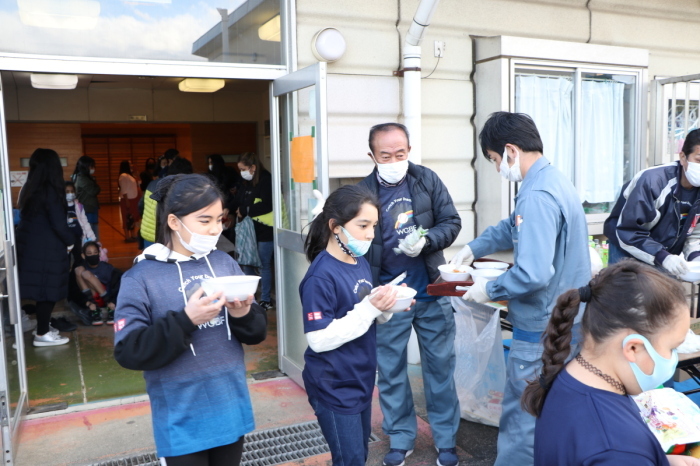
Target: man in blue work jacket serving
[548,234]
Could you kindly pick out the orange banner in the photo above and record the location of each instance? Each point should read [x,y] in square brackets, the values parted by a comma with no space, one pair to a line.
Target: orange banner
[303,159]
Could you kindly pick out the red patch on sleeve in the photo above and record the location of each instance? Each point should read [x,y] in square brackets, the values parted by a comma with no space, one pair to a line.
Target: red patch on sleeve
[118,325]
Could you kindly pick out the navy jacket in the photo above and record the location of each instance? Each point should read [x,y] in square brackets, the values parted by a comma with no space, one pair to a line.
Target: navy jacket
[432,209]
[646,220]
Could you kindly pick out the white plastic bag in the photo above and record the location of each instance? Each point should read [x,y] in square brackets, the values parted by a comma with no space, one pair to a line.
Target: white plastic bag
[480,373]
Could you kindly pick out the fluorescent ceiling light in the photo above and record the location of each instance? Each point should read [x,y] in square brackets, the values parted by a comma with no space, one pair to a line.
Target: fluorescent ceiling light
[270,30]
[201,85]
[54,81]
[66,14]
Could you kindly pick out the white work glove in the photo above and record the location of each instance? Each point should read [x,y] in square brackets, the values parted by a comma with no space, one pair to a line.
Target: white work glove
[676,265]
[320,202]
[412,251]
[465,255]
[477,293]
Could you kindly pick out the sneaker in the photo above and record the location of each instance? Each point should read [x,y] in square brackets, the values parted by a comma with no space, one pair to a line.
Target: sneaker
[110,317]
[63,325]
[447,457]
[50,339]
[83,313]
[396,457]
[96,316]
[52,329]
[27,323]
[267,305]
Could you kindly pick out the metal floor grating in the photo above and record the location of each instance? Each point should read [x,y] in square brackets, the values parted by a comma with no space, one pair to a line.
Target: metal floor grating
[261,448]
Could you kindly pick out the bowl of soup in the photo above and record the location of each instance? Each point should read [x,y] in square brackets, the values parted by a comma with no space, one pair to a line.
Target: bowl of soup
[693,274]
[234,286]
[488,274]
[404,296]
[454,273]
[490,265]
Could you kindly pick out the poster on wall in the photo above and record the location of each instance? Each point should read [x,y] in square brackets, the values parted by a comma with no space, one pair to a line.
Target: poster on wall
[18,178]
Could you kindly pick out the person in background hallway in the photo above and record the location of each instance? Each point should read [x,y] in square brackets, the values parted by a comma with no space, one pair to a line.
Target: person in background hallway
[87,189]
[654,219]
[635,319]
[128,202]
[148,207]
[548,234]
[254,199]
[189,344]
[413,196]
[227,179]
[77,222]
[339,313]
[147,175]
[165,161]
[44,241]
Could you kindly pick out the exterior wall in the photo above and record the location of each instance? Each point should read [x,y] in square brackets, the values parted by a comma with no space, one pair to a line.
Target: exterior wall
[373,53]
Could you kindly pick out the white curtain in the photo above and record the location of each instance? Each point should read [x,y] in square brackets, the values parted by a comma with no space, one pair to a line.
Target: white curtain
[602,141]
[549,101]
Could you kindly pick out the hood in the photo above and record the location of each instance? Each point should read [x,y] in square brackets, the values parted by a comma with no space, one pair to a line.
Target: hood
[162,253]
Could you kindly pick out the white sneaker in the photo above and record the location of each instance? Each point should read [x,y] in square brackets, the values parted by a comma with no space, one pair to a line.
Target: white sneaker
[50,339]
[52,329]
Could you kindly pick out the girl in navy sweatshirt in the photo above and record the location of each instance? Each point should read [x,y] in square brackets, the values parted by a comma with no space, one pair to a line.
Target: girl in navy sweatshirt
[339,315]
[189,344]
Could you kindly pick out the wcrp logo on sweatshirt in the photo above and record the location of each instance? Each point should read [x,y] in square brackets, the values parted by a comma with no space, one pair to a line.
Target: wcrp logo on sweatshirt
[215,322]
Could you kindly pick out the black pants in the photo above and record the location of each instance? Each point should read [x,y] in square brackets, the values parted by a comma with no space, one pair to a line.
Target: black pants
[226,455]
[43,316]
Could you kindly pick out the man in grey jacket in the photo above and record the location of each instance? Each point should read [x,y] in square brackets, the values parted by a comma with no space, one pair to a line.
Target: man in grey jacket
[412,196]
[548,234]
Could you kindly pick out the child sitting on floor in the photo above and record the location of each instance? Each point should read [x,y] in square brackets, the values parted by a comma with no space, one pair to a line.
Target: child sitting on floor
[99,283]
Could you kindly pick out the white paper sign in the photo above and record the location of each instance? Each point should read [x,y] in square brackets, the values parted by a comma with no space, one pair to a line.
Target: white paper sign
[18,178]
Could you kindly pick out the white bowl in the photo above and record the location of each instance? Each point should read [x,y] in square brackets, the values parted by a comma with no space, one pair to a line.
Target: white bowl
[234,287]
[490,265]
[694,272]
[403,299]
[488,274]
[454,273]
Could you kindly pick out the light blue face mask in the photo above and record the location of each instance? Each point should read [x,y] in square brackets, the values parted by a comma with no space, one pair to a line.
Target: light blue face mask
[663,368]
[356,246]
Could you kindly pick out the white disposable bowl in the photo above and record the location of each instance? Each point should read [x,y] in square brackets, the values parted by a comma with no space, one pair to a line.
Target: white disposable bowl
[234,287]
[489,274]
[403,299]
[694,272]
[447,272]
[490,265]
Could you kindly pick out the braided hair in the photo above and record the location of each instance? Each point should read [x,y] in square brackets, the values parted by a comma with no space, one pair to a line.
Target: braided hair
[627,295]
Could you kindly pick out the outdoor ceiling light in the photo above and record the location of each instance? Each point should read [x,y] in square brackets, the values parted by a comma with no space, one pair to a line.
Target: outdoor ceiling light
[66,14]
[270,30]
[201,85]
[328,45]
[54,81]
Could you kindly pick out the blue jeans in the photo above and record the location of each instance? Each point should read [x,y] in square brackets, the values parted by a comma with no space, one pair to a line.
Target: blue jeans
[516,431]
[435,328]
[266,250]
[347,434]
[616,254]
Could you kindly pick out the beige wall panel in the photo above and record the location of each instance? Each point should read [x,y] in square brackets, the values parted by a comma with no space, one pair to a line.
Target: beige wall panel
[118,104]
[49,105]
[240,106]
[183,106]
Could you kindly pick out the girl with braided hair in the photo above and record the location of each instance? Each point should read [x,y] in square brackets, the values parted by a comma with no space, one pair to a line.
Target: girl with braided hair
[189,344]
[635,317]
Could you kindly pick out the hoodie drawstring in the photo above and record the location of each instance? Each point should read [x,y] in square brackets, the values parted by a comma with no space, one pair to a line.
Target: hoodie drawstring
[228,328]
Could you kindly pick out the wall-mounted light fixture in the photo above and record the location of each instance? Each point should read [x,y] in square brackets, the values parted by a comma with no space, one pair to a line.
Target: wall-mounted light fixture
[270,30]
[328,45]
[201,85]
[54,81]
[66,14]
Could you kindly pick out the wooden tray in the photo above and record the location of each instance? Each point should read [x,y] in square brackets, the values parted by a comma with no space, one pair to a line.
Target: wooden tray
[443,288]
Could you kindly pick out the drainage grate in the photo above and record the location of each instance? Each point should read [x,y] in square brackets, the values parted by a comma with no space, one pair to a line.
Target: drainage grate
[263,447]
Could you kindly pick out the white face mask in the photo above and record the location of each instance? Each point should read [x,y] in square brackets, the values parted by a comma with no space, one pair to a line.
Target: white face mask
[510,173]
[246,175]
[70,197]
[394,172]
[211,167]
[199,244]
[92,171]
[692,173]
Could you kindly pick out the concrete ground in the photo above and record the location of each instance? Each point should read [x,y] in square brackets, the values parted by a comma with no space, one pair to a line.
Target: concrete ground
[108,432]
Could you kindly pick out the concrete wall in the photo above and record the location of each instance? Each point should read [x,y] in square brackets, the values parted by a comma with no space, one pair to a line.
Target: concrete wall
[373,53]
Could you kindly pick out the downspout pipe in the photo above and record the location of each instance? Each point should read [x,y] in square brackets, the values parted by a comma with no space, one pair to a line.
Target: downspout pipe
[411,75]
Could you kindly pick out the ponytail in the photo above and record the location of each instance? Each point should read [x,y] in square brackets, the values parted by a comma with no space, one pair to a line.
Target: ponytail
[557,346]
[317,239]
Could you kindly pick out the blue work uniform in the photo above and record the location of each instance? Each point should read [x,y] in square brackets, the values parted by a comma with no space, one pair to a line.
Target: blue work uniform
[549,237]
